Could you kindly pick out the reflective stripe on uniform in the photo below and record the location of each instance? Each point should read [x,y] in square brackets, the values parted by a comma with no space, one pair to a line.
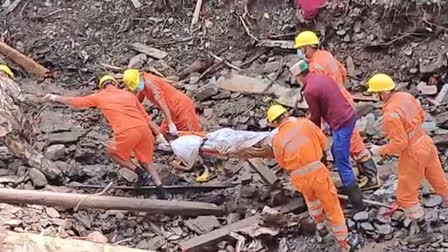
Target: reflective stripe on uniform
[316,212]
[307,168]
[339,228]
[313,204]
[414,212]
[341,237]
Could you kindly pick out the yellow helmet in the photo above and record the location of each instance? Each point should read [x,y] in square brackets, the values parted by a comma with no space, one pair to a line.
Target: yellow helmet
[380,83]
[306,38]
[104,79]
[131,78]
[275,111]
[7,70]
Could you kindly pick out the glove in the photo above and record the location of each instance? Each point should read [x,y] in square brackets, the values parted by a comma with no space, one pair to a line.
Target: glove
[50,97]
[375,150]
[172,128]
[162,143]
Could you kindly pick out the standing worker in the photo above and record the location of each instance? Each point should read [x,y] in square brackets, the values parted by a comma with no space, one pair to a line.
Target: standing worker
[298,146]
[130,123]
[321,61]
[402,123]
[178,109]
[6,72]
[325,100]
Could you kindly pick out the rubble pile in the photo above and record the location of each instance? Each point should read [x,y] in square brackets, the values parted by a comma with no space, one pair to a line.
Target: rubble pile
[234,62]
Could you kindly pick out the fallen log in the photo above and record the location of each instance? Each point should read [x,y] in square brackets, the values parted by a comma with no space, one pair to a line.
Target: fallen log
[13,242]
[70,200]
[29,64]
[197,11]
[150,51]
[170,188]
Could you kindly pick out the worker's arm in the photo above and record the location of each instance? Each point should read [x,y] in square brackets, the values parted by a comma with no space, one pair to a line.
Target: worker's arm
[343,72]
[159,97]
[394,130]
[320,136]
[314,106]
[153,126]
[77,102]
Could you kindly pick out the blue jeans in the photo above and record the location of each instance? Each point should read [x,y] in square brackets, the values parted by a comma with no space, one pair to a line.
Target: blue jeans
[341,152]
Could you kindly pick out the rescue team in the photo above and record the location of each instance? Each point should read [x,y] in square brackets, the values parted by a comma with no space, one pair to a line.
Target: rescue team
[298,143]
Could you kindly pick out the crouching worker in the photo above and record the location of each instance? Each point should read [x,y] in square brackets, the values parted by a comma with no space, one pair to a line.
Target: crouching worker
[298,146]
[402,124]
[130,124]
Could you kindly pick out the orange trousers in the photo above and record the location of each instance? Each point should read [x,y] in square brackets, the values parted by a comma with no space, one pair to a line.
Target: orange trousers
[321,198]
[358,149]
[416,163]
[184,117]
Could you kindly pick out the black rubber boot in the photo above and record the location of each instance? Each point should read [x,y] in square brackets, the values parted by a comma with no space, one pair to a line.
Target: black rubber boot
[425,235]
[162,194]
[355,197]
[370,171]
[143,177]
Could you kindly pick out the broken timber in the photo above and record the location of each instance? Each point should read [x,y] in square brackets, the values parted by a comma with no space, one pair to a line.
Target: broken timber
[194,187]
[13,242]
[267,174]
[285,44]
[27,63]
[70,200]
[150,51]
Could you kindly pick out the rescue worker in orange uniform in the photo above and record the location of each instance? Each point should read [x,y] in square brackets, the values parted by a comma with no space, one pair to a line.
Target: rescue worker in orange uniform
[6,71]
[178,109]
[298,146]
[130,123]
[402,124]
[322,61]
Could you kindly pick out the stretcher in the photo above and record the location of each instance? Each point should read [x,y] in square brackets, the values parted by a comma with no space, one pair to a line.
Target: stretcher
[224,142]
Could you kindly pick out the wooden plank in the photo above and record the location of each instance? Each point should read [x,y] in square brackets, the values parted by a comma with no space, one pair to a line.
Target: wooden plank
[13,242]
[267,174]
[70,200]
[197,11]
[218,234]
[285,44]
[150,51]
[27,63]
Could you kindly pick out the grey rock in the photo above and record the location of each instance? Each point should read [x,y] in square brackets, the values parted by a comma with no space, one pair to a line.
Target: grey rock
[13,223]
[64,137]
[248,191]
[351,224]
[407,222]
[431,67]
[366,226]
[138,61]
[52,213]
[205,92]
[51,171]
[432,201]
[203,224]
[361,216]
[55,152]
[190,88]
[14,166]
[4,172]
[444,244]
[383,229]
[128,175]
[271,67]
[38,178]
[398,216]
[155,243]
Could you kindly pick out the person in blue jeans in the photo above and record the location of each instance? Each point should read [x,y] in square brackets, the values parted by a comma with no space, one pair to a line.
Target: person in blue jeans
[326,101]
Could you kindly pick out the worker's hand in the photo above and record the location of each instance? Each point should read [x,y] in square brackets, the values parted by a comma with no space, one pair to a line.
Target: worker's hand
[162,143]
[172,129]
[375,150]
[50,97]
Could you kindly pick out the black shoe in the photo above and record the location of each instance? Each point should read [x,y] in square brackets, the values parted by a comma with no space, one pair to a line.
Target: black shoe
[355,197]
[162,194]
[371,172]
[143,177]
[424,236]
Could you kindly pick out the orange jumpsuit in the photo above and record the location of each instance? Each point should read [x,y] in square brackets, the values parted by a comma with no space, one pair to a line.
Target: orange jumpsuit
[323,62]
[403,119]
[128,120]
[182,108]
[298,147]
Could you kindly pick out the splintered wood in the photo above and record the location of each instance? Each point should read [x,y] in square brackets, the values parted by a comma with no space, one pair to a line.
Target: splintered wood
[27,63]
[14,242]
[150,51]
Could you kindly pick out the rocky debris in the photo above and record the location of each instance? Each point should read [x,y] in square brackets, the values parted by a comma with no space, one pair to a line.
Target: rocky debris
[128,175]
[55,152]
[203,224]
[432,201]
[361,216]
[64,137]
[97,237]
[52,213]
[205,92]
[38,178]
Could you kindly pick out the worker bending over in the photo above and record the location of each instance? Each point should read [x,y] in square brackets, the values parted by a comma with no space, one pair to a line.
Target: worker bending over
[298,146]
[326,101]
[130,123]
[6,72]
[322,61]
[178,109]
[402,123]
